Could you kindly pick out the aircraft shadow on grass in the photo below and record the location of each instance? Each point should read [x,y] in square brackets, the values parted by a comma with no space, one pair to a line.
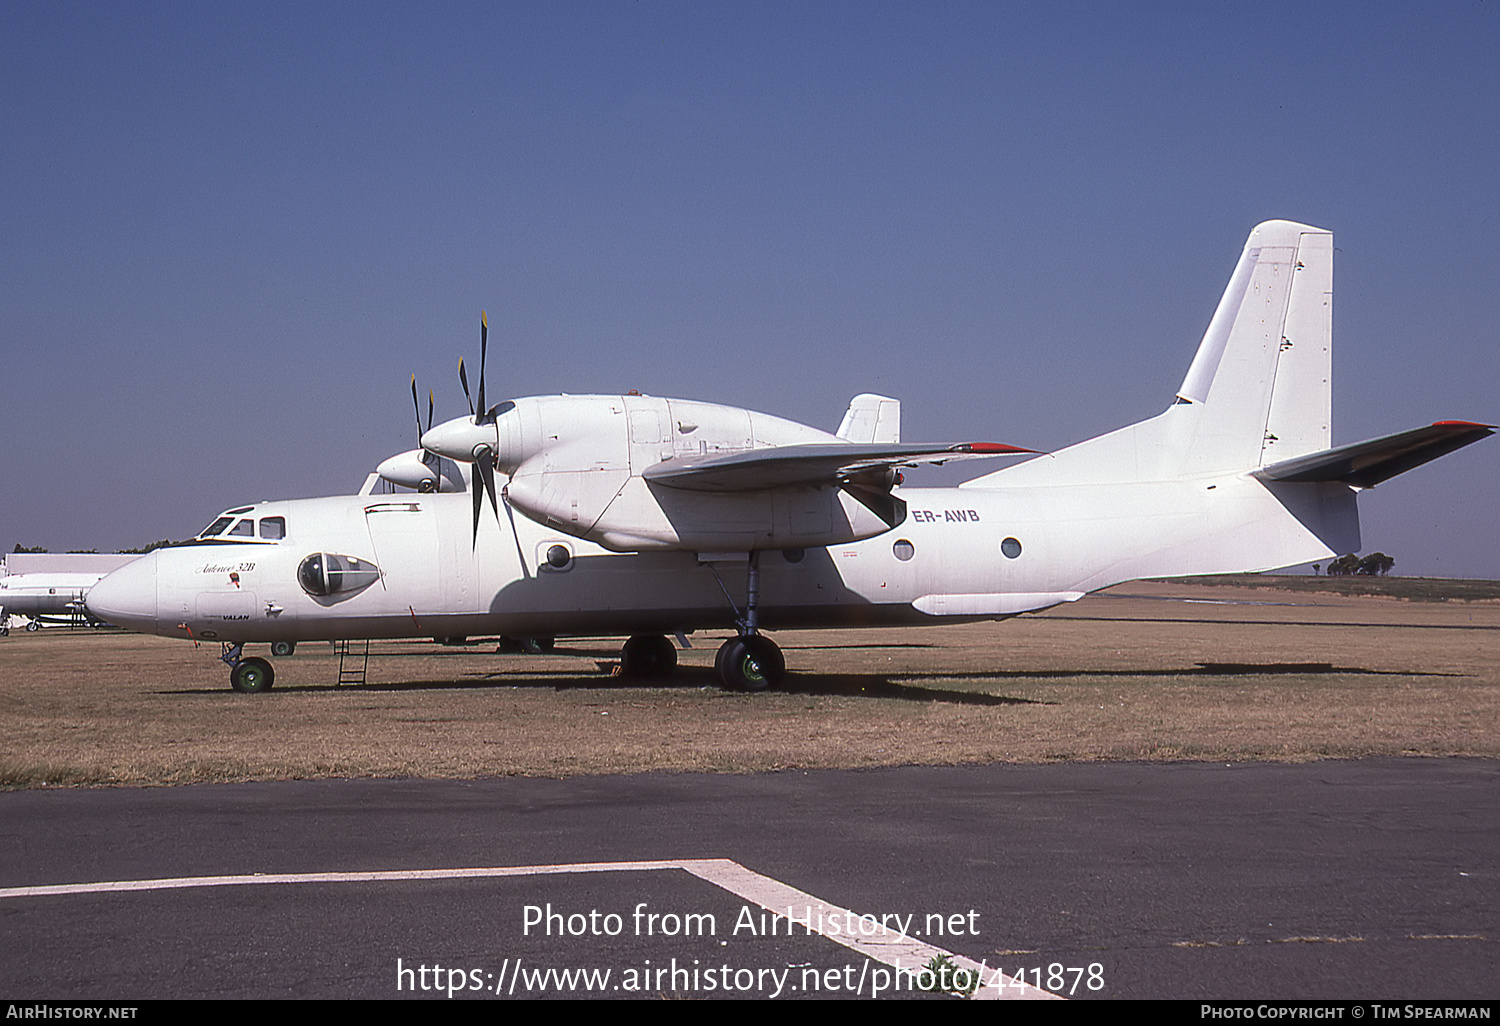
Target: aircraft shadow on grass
[909,686]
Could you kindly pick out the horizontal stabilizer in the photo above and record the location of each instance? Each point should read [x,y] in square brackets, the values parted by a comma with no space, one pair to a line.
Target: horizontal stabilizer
[1366,464]
[814,464]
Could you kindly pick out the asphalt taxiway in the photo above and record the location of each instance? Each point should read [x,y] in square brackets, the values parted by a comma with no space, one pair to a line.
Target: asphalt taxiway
[1360,879]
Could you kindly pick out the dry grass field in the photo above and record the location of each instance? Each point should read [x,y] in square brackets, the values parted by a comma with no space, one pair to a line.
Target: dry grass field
[1149,670]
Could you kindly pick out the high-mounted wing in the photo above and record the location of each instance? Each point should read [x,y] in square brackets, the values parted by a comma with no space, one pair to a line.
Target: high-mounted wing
[817,464]
[1366,464]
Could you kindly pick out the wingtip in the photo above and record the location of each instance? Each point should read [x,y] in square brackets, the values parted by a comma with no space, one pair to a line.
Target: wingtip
[997,449]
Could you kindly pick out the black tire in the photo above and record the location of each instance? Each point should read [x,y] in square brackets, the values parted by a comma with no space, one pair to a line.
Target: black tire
[283,648]
[648,655]
[34,625]
[252,676]
[751,663]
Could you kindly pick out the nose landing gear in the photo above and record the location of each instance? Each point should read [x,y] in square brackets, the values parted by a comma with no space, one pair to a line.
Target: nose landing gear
[248,676]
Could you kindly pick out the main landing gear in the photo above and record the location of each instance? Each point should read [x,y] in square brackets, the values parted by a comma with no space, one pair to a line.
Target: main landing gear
[249,676]
[751,661]
[748,662]
[648,655]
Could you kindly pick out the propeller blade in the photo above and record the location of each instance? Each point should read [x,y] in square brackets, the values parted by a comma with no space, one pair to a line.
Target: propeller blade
[487,472]
[416,408]
[464,380]
[484,469]
[429,459]
[484,341]
[478,504]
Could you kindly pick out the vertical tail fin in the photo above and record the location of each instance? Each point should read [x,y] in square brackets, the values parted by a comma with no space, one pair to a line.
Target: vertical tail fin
[1262,372]
[1258,390]
[872,418]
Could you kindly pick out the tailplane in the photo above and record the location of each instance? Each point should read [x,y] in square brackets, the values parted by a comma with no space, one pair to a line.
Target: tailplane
[1366,464]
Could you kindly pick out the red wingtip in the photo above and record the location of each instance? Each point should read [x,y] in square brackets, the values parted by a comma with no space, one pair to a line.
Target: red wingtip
[996,447]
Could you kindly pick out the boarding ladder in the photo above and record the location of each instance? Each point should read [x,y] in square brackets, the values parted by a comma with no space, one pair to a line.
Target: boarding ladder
[354,659]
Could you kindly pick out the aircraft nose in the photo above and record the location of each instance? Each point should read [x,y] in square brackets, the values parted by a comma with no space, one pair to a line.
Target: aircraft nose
[458,438]
[127,597]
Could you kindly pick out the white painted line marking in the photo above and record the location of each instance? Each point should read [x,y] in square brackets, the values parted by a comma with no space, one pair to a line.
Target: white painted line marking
[889,947]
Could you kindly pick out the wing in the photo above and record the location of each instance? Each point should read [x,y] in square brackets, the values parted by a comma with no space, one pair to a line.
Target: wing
[1366,464]
[817,464]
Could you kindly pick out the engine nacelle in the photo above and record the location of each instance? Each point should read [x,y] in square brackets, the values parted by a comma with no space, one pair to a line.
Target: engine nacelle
[575,465]
[628,514]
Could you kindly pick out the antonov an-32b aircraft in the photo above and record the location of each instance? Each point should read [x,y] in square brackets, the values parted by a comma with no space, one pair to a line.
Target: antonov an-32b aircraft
[642,516]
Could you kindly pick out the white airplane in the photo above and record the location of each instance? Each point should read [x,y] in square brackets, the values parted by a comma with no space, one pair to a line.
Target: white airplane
[43,594]
[647,516]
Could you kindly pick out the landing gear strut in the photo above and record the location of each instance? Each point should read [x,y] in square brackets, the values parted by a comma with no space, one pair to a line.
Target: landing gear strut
[751,661]
[247,676]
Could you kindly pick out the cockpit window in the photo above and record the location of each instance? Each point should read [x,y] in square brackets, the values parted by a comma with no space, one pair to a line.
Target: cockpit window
[273,528]
[244,529]
[217,527]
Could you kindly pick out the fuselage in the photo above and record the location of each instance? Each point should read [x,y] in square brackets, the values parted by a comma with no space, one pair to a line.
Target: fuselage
[410,566]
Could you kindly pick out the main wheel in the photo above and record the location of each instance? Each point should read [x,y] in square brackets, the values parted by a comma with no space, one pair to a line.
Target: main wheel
[283,648]
[750,663]
[648,655]
[34,625]
[252,676]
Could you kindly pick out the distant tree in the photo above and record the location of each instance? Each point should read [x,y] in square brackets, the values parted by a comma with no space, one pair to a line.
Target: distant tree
[151,547]
[1343,566]
[23,548]
[82,552]
[1376,564]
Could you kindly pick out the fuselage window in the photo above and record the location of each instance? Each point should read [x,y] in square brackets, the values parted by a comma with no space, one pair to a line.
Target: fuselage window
[903,549]
[216,527]
[273,528]
[244,529]
[1011,547]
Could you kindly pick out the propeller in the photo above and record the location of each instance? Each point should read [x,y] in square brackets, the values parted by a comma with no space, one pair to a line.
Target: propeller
[484,454]
[458,439]
[420,469]
[429,458]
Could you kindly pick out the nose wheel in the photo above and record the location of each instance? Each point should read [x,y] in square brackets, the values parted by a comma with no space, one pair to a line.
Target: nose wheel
[247,676]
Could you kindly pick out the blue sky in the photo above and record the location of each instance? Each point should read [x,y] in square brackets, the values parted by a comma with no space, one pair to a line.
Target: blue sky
[230,232]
